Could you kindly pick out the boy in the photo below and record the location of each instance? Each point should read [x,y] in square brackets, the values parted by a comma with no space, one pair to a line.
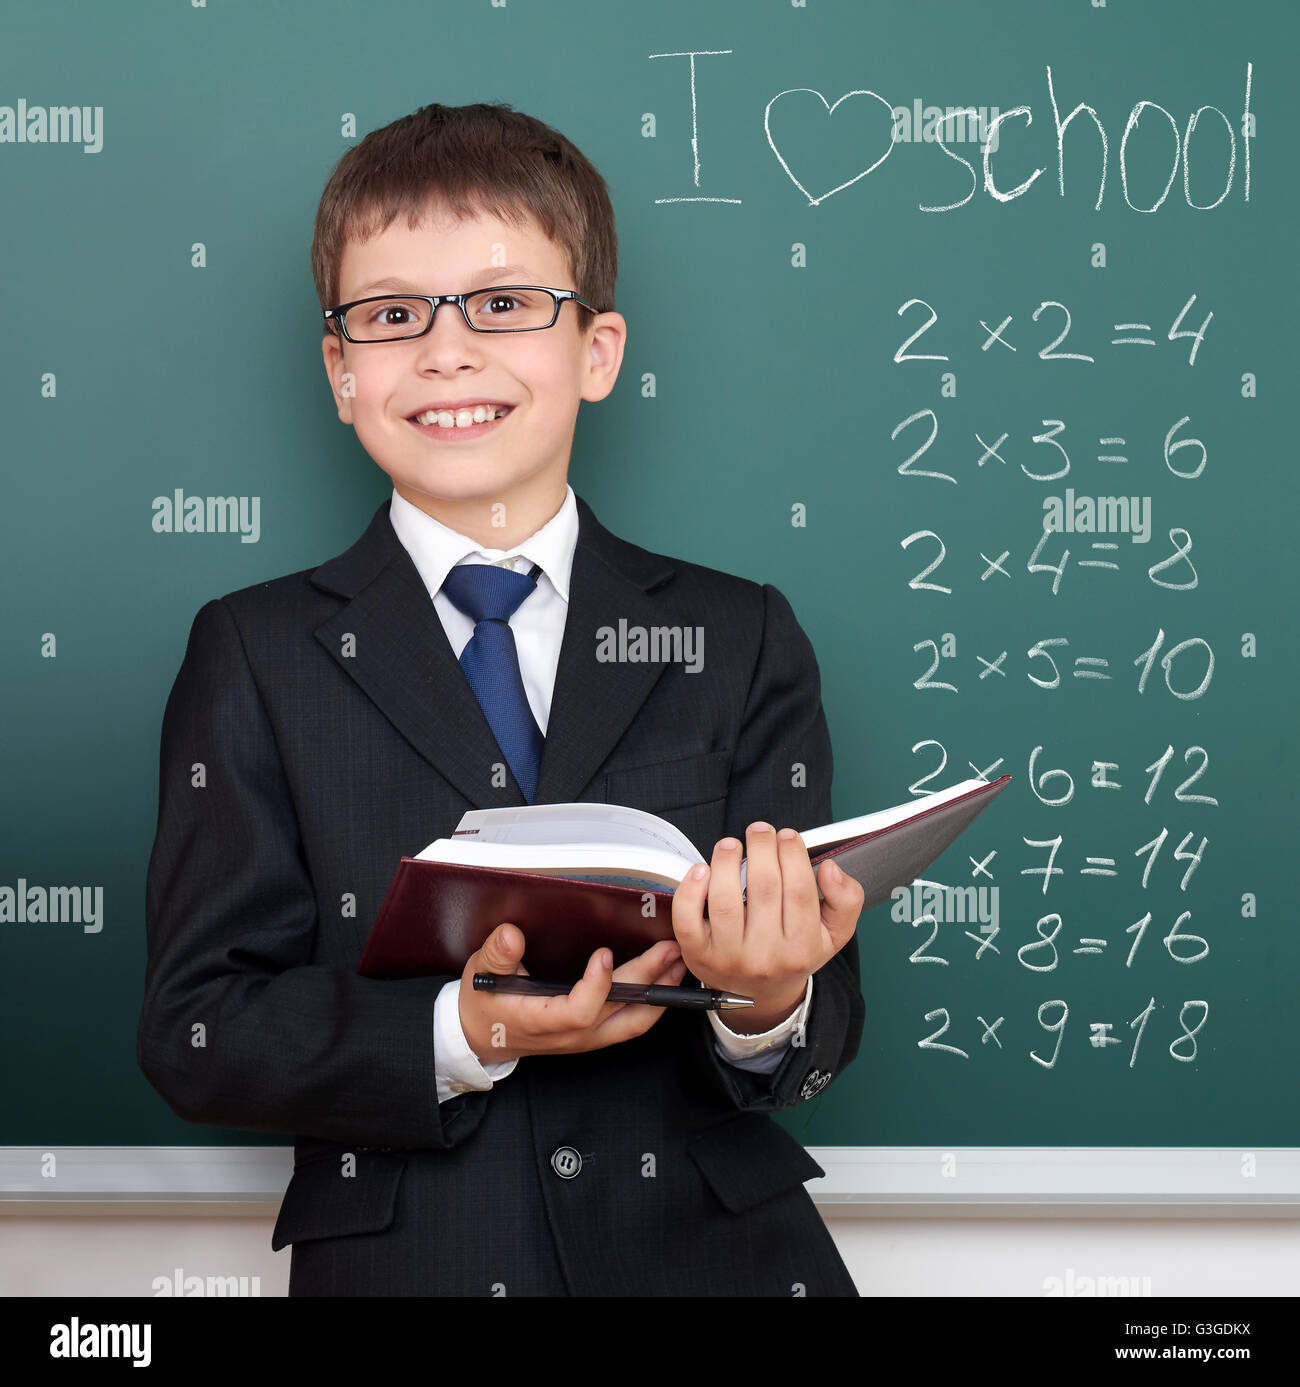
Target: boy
[449,1141]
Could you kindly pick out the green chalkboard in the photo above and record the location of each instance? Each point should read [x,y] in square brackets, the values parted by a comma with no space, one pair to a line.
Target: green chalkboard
[895,376]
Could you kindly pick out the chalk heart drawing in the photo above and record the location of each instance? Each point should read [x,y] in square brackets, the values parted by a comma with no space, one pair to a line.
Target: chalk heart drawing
[830,111]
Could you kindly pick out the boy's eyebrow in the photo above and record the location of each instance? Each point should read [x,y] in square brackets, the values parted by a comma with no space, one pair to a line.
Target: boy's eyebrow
[484,279]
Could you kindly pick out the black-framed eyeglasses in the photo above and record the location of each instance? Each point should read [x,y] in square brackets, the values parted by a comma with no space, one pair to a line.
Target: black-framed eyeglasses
[503,308]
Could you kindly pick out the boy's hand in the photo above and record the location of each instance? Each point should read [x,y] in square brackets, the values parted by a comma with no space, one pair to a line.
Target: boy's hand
[499,1026]
[767,946]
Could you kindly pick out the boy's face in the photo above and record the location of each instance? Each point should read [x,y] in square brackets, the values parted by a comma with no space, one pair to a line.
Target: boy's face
[522,459]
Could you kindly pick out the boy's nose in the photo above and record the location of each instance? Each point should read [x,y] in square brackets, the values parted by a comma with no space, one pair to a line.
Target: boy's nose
[449,329]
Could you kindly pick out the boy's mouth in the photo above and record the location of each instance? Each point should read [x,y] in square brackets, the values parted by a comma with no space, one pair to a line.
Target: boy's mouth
[459,424]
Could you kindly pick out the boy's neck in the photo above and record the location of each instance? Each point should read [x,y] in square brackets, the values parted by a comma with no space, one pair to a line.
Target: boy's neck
[523,515]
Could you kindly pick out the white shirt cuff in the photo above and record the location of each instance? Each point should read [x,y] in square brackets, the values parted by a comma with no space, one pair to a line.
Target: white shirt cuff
[456,1068]
[760,1053]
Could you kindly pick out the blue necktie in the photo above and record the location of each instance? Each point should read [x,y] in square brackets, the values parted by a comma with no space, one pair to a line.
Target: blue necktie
[489,594]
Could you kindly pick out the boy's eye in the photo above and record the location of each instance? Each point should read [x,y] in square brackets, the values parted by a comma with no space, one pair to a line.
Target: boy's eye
[527,308]
[494,305]
[395,314]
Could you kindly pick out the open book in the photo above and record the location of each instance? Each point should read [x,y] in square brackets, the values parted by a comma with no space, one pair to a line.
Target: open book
[576,877]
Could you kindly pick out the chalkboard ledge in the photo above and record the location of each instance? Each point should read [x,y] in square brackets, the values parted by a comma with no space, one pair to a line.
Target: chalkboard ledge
[220,1178]
[1076,1181]
[878,1181]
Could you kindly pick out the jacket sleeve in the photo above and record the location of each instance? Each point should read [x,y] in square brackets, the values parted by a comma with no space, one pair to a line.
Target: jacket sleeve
[784,728]
[239,1027]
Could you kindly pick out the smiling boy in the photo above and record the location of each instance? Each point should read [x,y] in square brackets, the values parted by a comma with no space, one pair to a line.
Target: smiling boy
[449,1141]
[455,473]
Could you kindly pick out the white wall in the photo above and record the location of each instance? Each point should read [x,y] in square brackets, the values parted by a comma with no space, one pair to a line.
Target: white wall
[121,1254]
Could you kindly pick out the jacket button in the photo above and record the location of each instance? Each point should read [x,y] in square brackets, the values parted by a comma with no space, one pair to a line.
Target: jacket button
[566,1162]
[814,1083]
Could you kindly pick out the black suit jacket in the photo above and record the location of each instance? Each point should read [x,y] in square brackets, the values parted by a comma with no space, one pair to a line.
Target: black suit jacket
[319,728]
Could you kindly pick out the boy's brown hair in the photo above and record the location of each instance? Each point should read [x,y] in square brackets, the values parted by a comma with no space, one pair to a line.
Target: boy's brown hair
[466,160]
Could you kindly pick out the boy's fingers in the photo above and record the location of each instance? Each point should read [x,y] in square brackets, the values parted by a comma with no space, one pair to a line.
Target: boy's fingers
[634,1018]
[591,991]
[587,998]
[646,967]
[763,886]
[843,898]
[661,963]
[689,924]
[799,903]
[726,912]
[585,1009]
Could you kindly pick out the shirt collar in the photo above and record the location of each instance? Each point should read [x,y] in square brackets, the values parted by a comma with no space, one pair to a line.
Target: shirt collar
[435,548]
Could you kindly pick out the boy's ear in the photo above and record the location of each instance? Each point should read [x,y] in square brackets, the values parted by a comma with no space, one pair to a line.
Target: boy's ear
[336,370]
[607,339]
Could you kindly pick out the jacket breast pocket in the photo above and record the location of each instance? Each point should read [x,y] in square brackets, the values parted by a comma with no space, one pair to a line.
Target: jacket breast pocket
[323,1201]
[748,1159]
[673,784]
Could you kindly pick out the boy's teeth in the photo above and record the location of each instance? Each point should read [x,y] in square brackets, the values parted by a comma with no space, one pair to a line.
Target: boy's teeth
[460,418]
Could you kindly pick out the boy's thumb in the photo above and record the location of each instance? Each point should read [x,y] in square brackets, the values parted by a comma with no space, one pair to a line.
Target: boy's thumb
[502,949]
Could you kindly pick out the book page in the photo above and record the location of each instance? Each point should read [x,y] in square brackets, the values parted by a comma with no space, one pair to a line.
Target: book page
[570,838]
[613,824]
[845,829]
[576,860]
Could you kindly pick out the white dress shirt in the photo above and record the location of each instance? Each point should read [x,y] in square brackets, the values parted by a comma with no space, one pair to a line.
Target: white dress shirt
[538,627]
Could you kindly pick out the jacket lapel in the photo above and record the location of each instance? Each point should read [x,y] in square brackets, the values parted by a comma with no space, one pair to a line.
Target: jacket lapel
[595,701]
[387,638]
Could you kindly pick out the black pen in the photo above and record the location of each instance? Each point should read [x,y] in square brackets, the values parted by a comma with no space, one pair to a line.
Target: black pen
[701,998]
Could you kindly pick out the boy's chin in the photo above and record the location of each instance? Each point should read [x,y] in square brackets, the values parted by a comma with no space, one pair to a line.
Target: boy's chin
[458,481]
